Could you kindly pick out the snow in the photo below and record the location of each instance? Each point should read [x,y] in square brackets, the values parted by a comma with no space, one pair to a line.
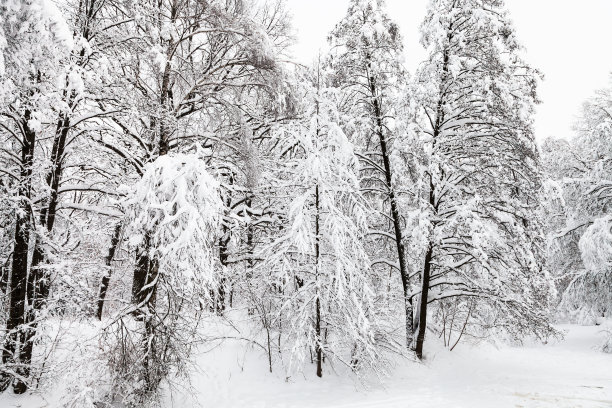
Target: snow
[596,245]
[464,141]
[570,373]
[178,200]
[50,11]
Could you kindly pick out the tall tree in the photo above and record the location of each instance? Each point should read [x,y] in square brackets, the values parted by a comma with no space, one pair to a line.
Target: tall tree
[82,79]
[317,262]
[365,60]
[484,240]
[579,175]
[34,41]
[191,70]
[197,56]
[176,208]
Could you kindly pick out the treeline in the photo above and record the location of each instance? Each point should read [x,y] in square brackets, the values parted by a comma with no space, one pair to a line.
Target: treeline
[578,188]
[162,161]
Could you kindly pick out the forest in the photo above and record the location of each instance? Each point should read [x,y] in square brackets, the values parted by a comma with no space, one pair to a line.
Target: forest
[172,181]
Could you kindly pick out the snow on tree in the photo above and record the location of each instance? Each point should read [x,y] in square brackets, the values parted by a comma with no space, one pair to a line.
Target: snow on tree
[199,59]
[34,40]
[190,70]
[317,265]
[365,62]
[174,210]
[579,238]
[596,245]
[176,205]
[164,165]
[476,98]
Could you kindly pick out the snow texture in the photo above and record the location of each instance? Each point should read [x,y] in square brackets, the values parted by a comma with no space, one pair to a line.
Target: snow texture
[569,373]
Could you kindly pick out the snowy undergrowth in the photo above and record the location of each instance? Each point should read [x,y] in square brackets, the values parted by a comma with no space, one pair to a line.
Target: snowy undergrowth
[564,373]
[71,365]
[606,329]
[230,372]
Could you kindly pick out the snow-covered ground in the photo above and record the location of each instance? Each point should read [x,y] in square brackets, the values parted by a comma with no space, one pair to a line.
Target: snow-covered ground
[568,374]
[565,374]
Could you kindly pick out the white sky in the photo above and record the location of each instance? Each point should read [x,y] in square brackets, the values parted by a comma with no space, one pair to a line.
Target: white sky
[568,40]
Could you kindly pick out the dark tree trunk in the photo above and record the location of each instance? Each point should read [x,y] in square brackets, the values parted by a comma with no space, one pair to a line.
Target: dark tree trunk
[144,280]
[107,274]
[16,355]
[318,348]
[219,293]
[250,237]
[219,297]
[423,306]
[38,282]
[250,244]
[151,363]
[144,293]
[395,213]
[14,342]
[319,341]
[146,271]
[39,279]
[433,206]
